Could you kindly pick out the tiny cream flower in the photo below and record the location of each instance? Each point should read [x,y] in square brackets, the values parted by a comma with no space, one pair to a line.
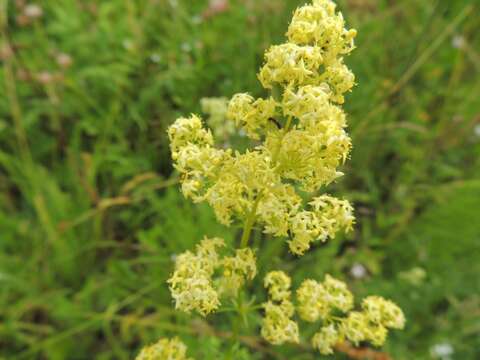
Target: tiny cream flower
[164,349]
[250,114]
[194,285]
[312,304]
[326,339]
[355,327]
[191,284]
[383,312]
[236,270]
[317,300]
[278,284]
[277,325]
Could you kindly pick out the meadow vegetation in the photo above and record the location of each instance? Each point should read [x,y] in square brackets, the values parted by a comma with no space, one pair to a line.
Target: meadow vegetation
[90,207]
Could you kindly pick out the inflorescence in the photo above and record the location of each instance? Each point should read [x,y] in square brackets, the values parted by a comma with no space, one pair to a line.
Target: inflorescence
[300,141]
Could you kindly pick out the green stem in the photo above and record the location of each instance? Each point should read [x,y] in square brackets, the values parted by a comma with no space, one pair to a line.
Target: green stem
[247,228]
[250,221]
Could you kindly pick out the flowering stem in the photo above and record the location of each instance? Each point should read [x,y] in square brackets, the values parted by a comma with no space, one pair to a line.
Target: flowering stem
[250,221]
[247,228]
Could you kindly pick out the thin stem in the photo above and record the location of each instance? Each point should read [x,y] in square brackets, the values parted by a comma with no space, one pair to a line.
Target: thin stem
[247,228]
[250,221]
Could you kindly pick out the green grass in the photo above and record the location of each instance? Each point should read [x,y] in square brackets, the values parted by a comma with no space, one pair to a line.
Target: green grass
[90,214]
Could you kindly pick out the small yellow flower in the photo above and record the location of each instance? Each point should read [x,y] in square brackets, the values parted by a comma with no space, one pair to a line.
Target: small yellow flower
[377,334]
[278,284]
[291,64]
[326,339]
[277,325]
[312,304]
[338,295]
[237,269]
[355,327]
[250,114]
[188,131]
[191,284]
[164,349]
[317,300]
[384,312]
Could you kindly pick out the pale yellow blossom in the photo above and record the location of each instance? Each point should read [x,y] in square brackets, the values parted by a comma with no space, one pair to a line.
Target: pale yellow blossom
[164,349]
[325,339]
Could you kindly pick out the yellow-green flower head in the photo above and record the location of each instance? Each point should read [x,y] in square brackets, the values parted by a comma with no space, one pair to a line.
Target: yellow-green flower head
[302,134]
[340,79]
[191,284]
[336,214]
[277,325]
[291,64]
[338,295]
[216,108]
[307,101]
[305,227]
[355,327]
[326,339]
[384,312]
[164,349]
[241,179]
[250,114]
[317,300]
[311,158]
[207,252]
[312,304]
[277,207]
[319,25]
[237,269]
[329,216]
[278,284]
[376,334]
[188,131]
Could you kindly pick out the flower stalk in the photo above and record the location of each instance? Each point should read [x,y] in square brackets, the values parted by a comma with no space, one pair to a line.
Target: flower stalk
[307,80]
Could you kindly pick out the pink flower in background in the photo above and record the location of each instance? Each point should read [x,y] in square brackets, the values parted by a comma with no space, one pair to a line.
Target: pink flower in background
[215,7]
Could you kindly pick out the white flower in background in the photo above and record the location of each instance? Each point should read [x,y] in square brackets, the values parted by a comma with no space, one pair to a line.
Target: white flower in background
[358,271]
[458,42]
[442,351]
[155,58]
[476,130]
[33,11]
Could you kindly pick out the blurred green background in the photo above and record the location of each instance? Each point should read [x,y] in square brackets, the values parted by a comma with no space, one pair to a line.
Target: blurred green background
[90,214]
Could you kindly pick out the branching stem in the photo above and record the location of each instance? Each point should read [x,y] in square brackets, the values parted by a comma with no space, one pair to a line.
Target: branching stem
[251,218]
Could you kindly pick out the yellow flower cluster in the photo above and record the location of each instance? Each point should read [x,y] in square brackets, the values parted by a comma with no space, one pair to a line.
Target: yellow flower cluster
[192,285]
[164,349]
[317,40]
[278,326]
[302,137]
[327,217]
[217,108]
[325,302]
[237,269]
[250,114]
[320,301]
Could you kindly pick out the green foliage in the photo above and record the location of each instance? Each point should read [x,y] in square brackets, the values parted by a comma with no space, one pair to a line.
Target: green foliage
[89,208]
